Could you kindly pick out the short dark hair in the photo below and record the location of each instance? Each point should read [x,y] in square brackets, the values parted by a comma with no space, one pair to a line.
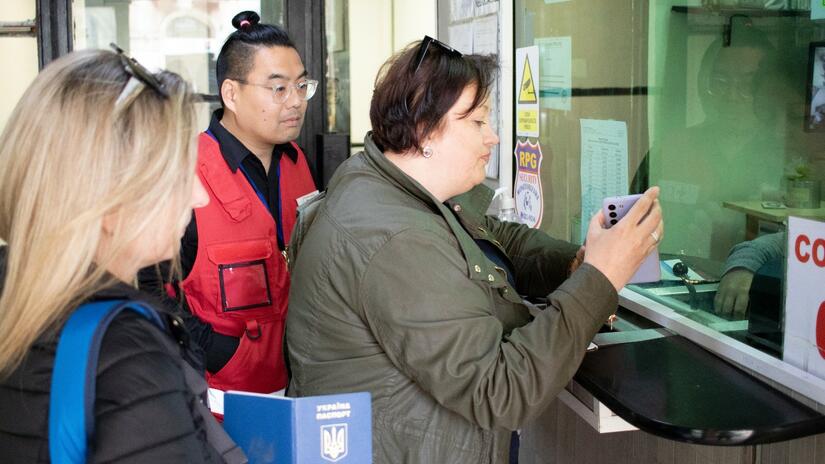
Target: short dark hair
[237,55]
[409,103]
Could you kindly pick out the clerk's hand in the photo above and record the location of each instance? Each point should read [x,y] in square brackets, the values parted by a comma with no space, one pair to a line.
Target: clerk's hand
[619,251]
[734,293]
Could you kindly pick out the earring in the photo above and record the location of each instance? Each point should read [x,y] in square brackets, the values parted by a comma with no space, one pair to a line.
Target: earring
[427,152]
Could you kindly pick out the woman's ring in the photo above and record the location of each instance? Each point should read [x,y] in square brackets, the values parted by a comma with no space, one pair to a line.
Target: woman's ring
[655,236]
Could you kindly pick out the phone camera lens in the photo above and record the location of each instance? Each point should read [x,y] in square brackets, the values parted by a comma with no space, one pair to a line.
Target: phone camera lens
[612,214]
[611,207]
[613,222]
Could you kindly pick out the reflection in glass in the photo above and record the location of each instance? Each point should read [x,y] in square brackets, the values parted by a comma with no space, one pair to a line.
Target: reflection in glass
[183,36]
[724,147]
[729,130]
[715,106]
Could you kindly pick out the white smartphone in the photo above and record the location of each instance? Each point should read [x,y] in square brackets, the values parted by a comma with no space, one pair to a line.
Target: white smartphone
[615,208]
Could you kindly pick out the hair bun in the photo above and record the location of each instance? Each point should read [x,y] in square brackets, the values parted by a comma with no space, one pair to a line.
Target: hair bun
[245,19]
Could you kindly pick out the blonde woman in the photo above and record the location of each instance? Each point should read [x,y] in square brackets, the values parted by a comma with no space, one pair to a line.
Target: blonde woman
[97,179]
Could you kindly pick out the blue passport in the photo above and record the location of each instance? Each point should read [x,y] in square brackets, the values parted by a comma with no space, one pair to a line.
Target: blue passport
[313,429]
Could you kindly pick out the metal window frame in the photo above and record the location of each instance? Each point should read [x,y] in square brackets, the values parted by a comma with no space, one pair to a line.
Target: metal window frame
[54,29]
[27,28]
[304,20]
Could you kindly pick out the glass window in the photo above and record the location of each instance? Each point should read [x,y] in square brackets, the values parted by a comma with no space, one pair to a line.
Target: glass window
[337,65]
[184,36]
[724,106]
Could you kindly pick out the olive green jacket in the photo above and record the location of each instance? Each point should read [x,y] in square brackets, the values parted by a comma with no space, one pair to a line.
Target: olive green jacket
[391,295]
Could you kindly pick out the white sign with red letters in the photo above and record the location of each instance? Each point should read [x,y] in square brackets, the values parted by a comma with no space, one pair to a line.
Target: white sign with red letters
[804,345]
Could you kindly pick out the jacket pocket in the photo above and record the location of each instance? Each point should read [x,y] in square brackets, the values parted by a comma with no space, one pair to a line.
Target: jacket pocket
[257,364]
[243,274]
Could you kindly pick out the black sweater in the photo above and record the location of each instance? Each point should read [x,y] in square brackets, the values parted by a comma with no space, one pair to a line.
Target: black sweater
[144,411]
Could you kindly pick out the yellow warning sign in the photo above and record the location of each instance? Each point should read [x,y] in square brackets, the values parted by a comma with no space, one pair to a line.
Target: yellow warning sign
[528,121]
[527,94]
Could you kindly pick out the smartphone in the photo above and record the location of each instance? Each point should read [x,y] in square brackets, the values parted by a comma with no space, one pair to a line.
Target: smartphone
[773,205]
[615,208]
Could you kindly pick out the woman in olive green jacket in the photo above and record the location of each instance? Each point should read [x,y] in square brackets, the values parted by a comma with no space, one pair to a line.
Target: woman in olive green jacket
[403,287]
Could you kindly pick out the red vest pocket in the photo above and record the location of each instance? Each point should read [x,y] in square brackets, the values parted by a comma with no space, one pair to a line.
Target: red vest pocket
[257,365]
[231,197]
[247,250]
[243,274]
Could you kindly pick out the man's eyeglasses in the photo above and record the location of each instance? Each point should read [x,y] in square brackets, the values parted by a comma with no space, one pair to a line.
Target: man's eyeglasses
[738,87]
[425,46]
[139,72]
[280,92]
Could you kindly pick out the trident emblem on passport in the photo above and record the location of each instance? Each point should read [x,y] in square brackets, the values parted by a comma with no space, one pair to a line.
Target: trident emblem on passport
[334,442]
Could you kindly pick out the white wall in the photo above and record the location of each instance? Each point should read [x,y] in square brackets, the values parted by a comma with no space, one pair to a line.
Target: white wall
[18,57]
[377,29]
[412,20]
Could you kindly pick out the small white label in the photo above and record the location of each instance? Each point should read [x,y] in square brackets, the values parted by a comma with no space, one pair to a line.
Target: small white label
[307,197]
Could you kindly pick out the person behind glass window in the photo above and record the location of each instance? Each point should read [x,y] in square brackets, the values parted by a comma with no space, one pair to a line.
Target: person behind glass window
[404,288]
[745,259]
[726,148]
[97,179]
[235,275]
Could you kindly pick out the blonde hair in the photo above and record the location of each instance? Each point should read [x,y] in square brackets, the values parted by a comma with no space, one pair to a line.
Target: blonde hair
[72,153]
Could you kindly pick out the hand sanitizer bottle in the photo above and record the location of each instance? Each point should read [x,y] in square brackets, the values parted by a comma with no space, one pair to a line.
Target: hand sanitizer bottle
[507,212]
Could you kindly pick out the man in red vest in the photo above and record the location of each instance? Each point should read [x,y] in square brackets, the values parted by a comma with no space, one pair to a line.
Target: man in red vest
[233,253]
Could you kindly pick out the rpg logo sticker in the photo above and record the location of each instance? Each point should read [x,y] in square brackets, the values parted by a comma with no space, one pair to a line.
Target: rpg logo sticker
[334,442]
[529,199]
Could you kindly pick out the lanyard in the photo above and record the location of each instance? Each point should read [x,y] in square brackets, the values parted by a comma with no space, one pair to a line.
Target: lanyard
[277,214]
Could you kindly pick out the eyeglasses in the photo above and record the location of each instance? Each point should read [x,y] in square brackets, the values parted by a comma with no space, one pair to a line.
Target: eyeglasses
[425,46]
[139,72]
[740,87]
[280,93]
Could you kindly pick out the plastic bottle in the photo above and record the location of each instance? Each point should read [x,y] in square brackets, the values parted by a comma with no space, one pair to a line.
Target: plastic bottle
[507,212]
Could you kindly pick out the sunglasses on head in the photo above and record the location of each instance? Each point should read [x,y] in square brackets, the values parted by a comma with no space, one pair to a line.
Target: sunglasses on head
[139,72]
[428,41]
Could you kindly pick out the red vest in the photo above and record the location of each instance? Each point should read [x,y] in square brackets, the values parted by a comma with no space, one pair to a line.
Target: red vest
[239,282]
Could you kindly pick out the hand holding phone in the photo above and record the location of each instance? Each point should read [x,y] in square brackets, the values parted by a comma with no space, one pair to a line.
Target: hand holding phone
[614,209]
[618,252]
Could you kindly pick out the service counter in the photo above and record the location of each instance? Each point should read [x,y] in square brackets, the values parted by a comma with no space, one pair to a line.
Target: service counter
[669,384]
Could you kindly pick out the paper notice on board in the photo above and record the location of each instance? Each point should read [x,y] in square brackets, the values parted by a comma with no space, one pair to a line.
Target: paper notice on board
[603,165]
[461,9]
[485,35]
[461,37]
[556,72]
[485,7]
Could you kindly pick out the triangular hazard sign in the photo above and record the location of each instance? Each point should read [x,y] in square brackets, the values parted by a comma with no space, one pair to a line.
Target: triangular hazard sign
[527,94]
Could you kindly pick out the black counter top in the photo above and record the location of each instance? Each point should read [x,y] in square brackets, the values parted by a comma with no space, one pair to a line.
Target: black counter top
[673,388]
